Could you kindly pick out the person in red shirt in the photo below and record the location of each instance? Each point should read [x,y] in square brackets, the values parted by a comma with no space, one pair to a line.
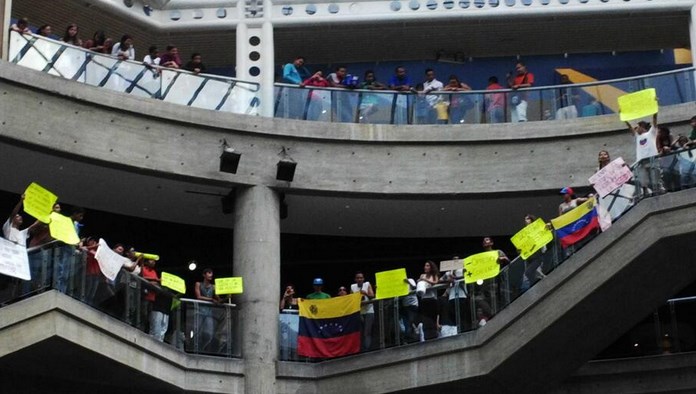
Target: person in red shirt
[495,102]
[522,79]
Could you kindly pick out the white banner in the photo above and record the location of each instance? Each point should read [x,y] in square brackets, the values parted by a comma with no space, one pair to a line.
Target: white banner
[109,261]
[14,260]
[611,177]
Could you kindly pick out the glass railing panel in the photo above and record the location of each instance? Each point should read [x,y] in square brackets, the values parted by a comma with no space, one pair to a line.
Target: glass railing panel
[292,102]
[209,92]
[289,327]
[122,76]
[210,328]
[344,106]
[47,55]
[375,107]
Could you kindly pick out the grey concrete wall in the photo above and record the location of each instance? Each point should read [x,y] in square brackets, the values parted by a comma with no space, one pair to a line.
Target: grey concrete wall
[147,135]
[51,335]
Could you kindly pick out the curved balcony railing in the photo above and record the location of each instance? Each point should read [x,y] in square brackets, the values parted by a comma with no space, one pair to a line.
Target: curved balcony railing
[397,324]
[203,327]
[477,106]
[206,91]
[195,326]
[343,105]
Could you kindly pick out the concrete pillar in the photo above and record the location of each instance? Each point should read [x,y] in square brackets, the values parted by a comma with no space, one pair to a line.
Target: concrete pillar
[255,51]
[5,15]
[257,260]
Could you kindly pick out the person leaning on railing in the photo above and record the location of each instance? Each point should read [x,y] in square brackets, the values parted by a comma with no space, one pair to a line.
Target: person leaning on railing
[205,291]
[22,26]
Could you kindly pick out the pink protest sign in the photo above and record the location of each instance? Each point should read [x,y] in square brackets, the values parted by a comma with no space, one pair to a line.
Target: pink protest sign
[611,177]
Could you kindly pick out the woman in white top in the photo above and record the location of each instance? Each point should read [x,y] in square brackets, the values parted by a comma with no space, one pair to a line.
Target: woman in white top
[367,312]
[124,49]
[428,302]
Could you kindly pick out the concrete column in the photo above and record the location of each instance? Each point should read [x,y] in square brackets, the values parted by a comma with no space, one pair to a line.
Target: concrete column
[255,52]
[257,260]
[5,15]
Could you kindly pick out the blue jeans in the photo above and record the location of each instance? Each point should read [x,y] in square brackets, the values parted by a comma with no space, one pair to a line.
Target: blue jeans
[63,268]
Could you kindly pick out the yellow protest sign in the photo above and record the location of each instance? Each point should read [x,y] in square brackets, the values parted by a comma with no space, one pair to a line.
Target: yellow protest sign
[532,238]
[173,282]
[233,285]
[391,284]
[481,266]
[638,105]
[38,202]
[62,228]
[147,256]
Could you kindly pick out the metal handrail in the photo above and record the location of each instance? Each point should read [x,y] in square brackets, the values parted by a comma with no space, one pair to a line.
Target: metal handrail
[534,88]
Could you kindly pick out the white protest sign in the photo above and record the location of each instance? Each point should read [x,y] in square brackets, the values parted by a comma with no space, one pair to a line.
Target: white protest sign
[14,260]
[611,177]
[109,261]
[451,265]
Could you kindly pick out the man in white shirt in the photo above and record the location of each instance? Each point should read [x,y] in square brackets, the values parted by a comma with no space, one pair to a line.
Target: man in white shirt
[431,84]
[10,229]
[647,172]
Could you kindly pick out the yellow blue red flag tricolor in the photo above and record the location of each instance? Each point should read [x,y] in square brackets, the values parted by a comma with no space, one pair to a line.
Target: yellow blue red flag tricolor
[329,327]
[573,226]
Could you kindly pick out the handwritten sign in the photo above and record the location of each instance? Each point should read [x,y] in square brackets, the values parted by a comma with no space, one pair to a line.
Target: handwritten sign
[532,238]
[173,282]
[233,285]
[481,266]
[14,260]
[638,105]
[391,284]
[451,265]
[110,262]
[611,177]
[62,228]
[38,202]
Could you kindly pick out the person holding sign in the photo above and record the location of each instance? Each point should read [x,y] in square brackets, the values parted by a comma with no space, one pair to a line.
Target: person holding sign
[367,312]
[457,297]
[646,147]
[532,271]
[64,269]
[205,291]
[10,229]
[489,286]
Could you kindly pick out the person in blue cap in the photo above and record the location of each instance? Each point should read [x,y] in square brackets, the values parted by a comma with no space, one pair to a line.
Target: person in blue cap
[318,284]
[570,201]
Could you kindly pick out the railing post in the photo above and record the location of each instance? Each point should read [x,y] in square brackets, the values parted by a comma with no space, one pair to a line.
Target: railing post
[5,15]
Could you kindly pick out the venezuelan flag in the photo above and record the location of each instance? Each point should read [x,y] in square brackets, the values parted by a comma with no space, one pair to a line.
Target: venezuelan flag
[573,226]
[329,328]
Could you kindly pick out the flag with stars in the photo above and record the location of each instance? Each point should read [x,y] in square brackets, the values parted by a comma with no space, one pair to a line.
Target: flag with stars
[330,327]
[575,225]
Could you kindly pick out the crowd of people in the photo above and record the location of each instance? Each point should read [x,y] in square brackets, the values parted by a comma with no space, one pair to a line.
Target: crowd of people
[122,49]
[432,108]
[431,311]
[134,295]
[426,313]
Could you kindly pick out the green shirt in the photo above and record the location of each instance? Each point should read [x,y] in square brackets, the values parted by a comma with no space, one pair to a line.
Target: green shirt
[692,137]
[317,295]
